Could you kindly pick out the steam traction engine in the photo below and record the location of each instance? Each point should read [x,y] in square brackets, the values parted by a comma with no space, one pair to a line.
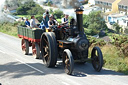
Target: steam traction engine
[71,45]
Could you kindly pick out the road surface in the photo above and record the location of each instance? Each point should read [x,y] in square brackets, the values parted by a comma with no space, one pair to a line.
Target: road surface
[19,69]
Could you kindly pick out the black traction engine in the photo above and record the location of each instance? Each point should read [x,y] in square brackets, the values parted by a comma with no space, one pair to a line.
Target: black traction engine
[70,44]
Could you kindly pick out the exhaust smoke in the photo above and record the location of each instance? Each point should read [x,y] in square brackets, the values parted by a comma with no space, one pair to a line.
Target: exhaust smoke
[1,11]
[71,4]
[74,4]
[68,6]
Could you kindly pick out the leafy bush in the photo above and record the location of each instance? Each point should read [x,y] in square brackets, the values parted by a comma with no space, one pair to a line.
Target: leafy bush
[112,59]
[39,18]
[57,13]
[102,33]
[59,20]
[49,3]
[85,23]
[95,42]
[93,28]
[117,27]
[121,42]
[29,8]
[9,28]
[95,22]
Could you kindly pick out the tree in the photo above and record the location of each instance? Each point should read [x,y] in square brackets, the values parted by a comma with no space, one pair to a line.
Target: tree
[117,27]
[95,18]
[94,21]
[94,28]
[58,13]
[29,8]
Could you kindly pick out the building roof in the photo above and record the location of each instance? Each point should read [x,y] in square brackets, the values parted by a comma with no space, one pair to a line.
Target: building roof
[117,15]
[109,1]
[123,2]
[125,18]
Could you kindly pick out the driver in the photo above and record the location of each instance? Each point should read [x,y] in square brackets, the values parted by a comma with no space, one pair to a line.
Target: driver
[65,20]
[52,22]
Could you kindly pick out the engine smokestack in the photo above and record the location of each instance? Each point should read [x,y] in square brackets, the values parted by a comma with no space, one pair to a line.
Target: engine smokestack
[79,17]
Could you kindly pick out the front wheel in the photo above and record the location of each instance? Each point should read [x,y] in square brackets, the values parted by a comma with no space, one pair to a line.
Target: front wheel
[68,61]
[97,58]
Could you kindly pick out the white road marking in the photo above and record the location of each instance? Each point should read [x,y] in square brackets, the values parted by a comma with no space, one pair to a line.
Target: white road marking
[2,51]
[30,66]
[65,83]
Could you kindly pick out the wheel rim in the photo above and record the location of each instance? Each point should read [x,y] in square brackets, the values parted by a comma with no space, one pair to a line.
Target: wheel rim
[23,45]
[33,49]
[97,58]
[48,47]
[67,64]
[68,67]
[45,49]
[36,50]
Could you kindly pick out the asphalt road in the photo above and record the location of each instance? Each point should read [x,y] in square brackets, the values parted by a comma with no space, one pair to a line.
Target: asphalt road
[19,69]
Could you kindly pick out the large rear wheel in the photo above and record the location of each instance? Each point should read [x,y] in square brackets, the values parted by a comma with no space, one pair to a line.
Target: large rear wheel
[53,36]
[25,46]
[47,50]
[36,50]
[97,58]
[68,61]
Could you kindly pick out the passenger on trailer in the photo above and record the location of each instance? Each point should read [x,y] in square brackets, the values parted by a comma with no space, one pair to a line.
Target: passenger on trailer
[33,23]
[27,23]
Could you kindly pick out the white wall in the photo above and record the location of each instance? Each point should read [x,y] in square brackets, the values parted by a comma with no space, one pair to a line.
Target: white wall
[91,2]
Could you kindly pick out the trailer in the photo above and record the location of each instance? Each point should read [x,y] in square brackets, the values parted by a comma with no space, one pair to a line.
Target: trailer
[30,38]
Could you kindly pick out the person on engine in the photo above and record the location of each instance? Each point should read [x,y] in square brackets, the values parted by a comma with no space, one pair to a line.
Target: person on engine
[65,20]
[46,18]
[51,22]
[42,26]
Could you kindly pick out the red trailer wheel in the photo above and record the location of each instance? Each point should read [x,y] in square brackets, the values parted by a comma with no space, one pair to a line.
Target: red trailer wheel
[36,50]
[25,46]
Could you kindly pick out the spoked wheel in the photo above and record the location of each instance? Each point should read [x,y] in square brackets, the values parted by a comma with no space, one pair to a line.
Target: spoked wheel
[97,58]
[68,61]
[36,50]
[53,36]
[25,46]
[47,50]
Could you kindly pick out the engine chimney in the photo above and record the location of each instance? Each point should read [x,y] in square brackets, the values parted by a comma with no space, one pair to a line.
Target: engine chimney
[79,17]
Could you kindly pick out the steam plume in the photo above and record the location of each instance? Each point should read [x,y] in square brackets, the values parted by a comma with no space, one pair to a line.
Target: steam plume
[71,3]
[2,17]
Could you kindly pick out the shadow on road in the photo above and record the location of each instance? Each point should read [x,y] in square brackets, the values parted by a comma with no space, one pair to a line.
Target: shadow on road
[20,70]
[89,70]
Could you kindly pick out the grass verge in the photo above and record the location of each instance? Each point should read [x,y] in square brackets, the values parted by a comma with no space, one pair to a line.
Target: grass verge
[113,61]
[9,28]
